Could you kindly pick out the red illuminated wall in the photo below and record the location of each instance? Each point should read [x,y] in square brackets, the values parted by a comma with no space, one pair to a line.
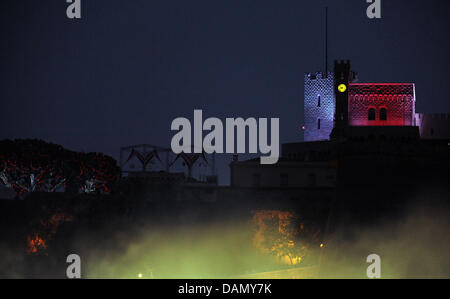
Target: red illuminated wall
[397,98]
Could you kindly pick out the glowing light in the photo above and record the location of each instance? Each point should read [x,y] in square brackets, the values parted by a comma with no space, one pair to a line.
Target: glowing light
[37,240]
[342,87]
[303,128]
[397,99]
[321,245]
[140,275]
[35,244]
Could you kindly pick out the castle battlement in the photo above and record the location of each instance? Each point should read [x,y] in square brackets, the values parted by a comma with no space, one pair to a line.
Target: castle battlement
[318,75]
[363,104]
[342,61]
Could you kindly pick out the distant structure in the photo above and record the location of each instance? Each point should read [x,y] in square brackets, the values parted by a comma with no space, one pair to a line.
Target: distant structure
[382,104]
[336,100]
[433,126]
[346,120]
[161,164]
[319,106]
[146,155]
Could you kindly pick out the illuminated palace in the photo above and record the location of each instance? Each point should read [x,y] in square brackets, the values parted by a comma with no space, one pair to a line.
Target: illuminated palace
[340,112]
[337,98]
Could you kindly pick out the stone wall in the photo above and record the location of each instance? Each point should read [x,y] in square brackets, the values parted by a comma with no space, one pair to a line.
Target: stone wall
[318,85]
[397,98]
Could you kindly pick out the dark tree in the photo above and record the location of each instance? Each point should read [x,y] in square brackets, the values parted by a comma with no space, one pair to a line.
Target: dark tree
[37,166]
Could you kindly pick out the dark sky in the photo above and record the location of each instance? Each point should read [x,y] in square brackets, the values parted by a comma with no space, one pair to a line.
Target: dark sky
[121,74]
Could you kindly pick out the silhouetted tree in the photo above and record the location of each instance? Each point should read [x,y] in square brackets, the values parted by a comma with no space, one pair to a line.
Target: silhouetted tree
[34,165]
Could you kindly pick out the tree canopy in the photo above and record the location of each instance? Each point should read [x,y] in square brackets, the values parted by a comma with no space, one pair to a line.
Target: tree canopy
[31,165]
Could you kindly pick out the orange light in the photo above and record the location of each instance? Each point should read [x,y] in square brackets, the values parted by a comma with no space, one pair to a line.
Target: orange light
[35,244]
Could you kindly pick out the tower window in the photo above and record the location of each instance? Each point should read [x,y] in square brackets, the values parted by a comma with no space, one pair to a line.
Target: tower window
[383,114]
[318,124]
[318,102]
[372,114]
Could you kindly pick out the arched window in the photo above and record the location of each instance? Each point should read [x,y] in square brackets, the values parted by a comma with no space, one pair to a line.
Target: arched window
[383,114]
[372,114]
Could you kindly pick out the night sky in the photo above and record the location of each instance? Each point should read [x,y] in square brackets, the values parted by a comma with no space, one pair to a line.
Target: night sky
[122,73]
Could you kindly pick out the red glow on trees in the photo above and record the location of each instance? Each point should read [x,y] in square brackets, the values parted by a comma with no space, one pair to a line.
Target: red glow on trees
[36,166]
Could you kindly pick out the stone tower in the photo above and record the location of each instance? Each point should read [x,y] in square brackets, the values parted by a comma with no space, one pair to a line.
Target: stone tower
[319,106]
[342,78]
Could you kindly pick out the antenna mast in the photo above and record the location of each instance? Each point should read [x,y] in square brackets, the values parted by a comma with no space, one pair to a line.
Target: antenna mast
[326,41]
